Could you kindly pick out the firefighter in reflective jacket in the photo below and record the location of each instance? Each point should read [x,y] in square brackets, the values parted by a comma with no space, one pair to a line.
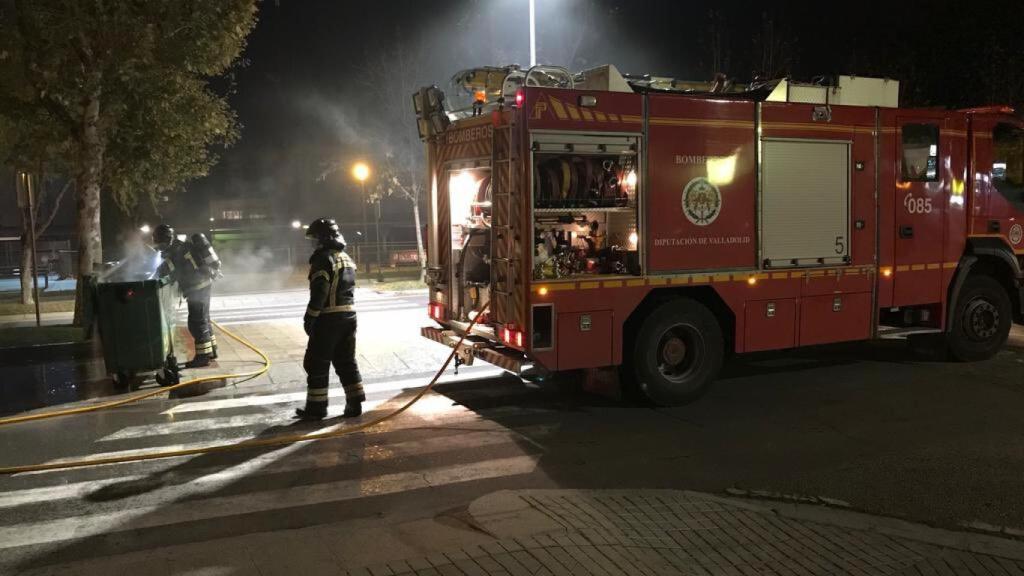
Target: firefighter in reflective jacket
[194,265]
[330,323]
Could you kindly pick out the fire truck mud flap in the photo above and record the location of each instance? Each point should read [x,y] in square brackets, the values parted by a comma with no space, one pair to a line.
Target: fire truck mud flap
[477,347]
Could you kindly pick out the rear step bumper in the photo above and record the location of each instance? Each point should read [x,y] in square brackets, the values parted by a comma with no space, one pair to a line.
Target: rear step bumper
[475,346]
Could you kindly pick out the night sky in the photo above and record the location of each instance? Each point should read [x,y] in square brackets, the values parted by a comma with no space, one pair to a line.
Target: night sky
[303,96]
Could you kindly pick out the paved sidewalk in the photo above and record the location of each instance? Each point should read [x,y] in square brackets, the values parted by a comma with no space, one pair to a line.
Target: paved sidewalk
[654,532]
[1016,339]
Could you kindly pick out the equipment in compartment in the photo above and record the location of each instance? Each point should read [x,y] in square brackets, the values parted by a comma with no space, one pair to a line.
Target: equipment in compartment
[568,181]
[587,243]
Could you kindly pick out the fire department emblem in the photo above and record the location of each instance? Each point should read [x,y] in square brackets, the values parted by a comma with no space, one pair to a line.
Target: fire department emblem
[702,201]
[1016,234]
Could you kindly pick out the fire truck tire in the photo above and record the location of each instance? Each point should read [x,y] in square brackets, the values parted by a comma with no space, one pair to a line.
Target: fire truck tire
[980,324]
[677,352]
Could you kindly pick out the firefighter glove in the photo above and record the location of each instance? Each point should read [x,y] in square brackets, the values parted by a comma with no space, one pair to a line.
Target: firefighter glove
[307,324]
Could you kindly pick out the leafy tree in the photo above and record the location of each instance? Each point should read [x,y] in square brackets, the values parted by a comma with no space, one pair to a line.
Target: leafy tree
[121,89]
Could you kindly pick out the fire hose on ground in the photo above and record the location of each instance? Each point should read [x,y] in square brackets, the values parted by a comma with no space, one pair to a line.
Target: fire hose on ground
[228,447]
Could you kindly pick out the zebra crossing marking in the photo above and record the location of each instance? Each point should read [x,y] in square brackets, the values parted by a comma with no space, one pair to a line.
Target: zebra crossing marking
[153,516]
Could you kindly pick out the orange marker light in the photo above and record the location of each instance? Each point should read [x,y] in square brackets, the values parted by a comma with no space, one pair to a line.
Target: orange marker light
[543,291]
[887,272]
[752,280]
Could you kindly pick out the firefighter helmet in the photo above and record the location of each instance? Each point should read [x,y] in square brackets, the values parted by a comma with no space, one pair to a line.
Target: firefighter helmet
[324,229]
[163,235]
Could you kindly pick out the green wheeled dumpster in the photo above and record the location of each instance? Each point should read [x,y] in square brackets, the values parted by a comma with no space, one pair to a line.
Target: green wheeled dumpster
[135,319]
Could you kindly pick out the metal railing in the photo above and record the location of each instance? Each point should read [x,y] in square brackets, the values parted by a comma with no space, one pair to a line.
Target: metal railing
[392,254]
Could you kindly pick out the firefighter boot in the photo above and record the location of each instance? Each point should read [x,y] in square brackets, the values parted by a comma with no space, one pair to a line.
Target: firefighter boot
[354,398]
[316,396]
[200,361]
[353,408]
[311,415]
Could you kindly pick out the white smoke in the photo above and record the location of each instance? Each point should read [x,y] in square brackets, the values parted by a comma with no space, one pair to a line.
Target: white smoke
[260,269]
[140,262]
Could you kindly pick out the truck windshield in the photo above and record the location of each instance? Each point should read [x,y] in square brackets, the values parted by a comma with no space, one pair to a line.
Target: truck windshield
[1008,163]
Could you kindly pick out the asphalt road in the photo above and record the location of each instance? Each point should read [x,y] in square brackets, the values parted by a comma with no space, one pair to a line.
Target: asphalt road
[870,425]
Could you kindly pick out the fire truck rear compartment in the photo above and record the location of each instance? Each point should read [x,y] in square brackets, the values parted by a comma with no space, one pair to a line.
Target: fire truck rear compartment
[470,228]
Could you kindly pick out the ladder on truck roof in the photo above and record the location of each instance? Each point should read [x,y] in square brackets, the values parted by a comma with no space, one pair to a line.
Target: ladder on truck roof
[507,247]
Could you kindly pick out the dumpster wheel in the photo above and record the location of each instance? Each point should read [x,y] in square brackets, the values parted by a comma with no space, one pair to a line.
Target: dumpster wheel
[243,445]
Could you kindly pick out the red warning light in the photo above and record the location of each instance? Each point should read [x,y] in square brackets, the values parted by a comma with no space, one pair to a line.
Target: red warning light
[520,98]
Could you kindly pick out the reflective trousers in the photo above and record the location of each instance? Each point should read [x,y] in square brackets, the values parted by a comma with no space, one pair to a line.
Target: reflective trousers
[199,321]
[332,341]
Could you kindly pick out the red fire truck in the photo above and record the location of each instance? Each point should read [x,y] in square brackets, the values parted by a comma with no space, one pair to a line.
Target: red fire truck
[646,226]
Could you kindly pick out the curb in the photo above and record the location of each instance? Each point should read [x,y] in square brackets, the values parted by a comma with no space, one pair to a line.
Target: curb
[505,514]
[965,541]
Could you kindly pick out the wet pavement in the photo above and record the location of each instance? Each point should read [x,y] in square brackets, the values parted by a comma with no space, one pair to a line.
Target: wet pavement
[866,426]
[40,376]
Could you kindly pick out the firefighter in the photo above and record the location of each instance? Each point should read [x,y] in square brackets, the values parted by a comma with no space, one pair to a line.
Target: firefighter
[194,265]
[330,323]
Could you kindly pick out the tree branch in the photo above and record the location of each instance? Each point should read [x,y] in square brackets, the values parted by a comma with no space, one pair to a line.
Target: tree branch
[56,206]
[30,38]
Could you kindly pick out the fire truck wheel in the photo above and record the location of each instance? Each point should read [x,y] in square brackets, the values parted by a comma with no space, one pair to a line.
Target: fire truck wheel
[677,353]
[981,321]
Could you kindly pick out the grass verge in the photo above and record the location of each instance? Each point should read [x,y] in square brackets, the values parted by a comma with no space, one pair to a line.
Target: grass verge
[33,336]
[394,279]
[9,308]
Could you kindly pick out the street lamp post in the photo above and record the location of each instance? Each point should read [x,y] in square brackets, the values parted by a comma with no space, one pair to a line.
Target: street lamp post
[380,270]
[361,172]
[533,33]
[363,235]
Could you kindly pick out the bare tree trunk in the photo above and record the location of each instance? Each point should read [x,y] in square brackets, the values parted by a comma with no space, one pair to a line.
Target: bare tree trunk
[421,253]
[90,247]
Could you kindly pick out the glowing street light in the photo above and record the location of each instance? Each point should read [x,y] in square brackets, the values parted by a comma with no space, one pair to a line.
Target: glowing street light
[145,229]
[361,171]
[296,224]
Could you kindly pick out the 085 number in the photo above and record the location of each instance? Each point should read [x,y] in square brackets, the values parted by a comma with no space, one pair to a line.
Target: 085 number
[917,205]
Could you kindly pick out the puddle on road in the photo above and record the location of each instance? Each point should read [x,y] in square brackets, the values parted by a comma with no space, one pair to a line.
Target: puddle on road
[48,375]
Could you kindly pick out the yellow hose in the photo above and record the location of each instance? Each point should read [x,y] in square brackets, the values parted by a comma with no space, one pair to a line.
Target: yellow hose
[246,444]
[151,393]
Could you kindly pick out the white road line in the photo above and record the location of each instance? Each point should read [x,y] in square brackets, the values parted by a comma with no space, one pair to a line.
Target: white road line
[433,410]
[272,417]
[302,298]
[274,463]
[152,516]
[282,417]
[471,373]
[296,314]
[291,308]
